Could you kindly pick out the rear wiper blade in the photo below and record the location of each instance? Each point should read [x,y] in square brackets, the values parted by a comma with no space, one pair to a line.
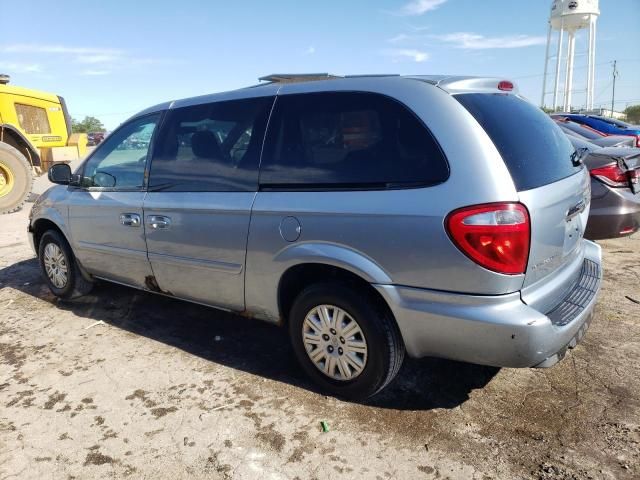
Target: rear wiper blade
[578,156]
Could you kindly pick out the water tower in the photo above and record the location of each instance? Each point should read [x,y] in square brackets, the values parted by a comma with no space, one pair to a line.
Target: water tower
[570,16]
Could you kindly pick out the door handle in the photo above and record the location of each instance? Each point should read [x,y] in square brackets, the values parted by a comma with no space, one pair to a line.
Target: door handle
[159,222]
[130,219]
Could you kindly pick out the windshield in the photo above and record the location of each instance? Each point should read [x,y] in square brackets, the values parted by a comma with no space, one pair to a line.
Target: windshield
[579,143]
[613,121]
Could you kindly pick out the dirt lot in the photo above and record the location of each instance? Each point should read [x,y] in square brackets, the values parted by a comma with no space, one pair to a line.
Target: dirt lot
[165,389]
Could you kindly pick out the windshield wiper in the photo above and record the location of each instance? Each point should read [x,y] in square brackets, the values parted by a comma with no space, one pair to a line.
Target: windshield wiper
[578,156]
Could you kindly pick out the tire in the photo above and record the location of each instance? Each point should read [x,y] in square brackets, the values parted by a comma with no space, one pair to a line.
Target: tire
[384,346]
[17,179]
[75,284]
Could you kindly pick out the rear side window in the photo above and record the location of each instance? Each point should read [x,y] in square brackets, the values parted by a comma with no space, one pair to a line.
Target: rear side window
[212,147]
[348,140]
[33,120]
[534,148]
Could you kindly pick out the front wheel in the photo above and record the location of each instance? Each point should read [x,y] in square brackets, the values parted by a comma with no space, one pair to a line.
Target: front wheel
[60,268]
[345,340]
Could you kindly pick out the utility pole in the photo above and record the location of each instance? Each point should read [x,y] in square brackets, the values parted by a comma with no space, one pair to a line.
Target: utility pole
[613,92]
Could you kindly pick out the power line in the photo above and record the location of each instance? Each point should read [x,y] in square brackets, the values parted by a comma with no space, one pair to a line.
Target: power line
[608,62]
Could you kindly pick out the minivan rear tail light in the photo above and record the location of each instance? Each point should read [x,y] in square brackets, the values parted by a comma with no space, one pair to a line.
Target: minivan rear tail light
[505,85]
[494,235]
[614,176]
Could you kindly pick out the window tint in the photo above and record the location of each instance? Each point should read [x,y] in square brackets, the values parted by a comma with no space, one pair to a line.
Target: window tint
[211,148]
[33,119]
[119,161]
[533,147]
[348,140]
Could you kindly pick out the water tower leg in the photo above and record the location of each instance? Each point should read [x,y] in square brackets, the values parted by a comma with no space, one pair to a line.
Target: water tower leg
[558,62]
[568,81]
[546,64]
[592,59]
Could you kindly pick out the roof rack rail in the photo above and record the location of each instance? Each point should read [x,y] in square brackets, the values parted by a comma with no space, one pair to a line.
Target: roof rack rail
[297,77]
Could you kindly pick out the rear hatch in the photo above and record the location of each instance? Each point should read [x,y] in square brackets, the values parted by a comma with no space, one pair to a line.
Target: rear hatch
[554,188]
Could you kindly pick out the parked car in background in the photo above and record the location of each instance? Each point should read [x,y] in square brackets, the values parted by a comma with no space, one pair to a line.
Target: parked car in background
[615,190]
[348,211]
[95,138]
[587,133]
[606,125]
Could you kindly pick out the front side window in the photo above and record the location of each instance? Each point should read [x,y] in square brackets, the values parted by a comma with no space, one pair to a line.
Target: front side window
[33,120]
[119,162]
[211,147]
[348,140]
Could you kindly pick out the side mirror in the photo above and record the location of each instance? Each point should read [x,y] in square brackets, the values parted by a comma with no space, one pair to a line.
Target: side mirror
[104,179]
[60,173]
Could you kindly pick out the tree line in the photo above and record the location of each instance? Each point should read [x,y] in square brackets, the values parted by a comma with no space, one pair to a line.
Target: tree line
[88,124]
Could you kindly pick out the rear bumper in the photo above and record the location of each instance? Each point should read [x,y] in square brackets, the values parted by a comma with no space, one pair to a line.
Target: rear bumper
[615,214]
[495,330]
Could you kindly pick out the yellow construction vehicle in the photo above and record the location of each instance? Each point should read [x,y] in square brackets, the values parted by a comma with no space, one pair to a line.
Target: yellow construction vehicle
[35,132]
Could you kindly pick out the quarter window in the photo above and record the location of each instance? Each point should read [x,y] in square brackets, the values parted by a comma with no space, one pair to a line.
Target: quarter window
[211,147]
[33,120]
[119,161]
[348,141]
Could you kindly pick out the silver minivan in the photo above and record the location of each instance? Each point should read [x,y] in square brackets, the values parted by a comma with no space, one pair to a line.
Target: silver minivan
[370,216]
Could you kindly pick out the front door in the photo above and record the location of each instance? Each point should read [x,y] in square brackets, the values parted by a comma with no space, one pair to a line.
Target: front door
[105,211]
[202,183]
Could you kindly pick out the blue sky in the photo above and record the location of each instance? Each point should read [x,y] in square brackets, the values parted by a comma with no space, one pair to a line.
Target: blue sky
[111,59]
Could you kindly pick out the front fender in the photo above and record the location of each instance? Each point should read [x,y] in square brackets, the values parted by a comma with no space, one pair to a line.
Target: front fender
[336,256]
[52,206]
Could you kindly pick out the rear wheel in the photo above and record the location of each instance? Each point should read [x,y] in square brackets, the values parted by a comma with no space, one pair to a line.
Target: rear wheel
[16,179]
[60,268]
[345,340]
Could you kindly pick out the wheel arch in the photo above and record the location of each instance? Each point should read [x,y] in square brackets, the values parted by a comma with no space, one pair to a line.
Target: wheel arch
[42,225]
[302,275]
[14,137]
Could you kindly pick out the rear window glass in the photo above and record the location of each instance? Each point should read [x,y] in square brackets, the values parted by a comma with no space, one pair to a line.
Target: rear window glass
[348,140]
[584,132]
[533,147]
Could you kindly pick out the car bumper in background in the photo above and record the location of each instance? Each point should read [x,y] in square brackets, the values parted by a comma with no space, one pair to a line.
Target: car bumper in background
[495,330]
[614,214]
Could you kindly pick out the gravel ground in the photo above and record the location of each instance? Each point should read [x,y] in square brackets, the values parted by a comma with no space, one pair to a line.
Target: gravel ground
[123,383]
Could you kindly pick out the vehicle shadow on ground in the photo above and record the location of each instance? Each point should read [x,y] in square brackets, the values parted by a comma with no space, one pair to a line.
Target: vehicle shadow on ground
[244,344]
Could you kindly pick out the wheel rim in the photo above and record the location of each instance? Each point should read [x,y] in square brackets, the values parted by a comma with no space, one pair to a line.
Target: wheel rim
[55,264]
[6,180]
[334,342]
